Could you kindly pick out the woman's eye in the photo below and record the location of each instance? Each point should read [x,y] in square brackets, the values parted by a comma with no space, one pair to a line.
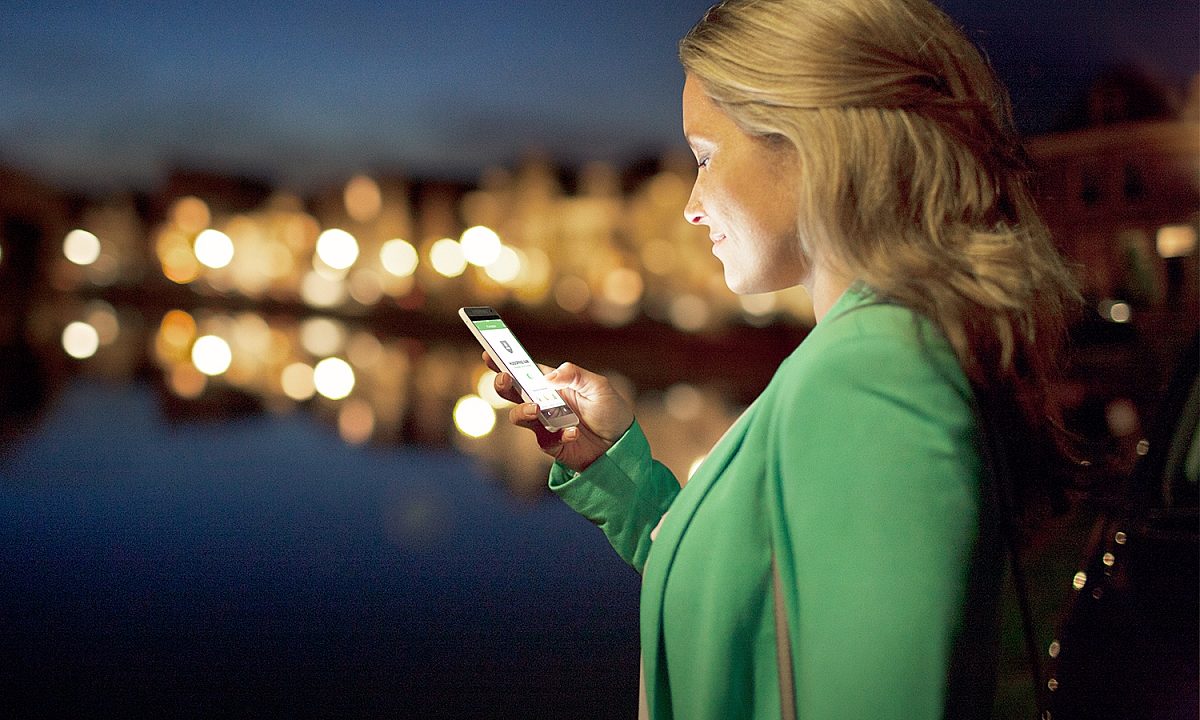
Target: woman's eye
[702,162]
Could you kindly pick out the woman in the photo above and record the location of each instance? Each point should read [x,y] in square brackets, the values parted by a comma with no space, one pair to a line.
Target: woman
[837,555]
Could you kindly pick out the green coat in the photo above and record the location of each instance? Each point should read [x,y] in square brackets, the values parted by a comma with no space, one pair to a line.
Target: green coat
[852,489]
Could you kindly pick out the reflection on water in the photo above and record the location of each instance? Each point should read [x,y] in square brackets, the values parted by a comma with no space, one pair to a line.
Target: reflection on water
[263,567]
[370,386]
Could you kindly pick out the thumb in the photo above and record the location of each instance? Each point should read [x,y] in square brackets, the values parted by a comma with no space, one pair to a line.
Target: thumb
[570,375]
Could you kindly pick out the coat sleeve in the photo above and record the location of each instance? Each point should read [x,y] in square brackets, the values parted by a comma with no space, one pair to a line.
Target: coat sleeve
[876,516]
[625,492]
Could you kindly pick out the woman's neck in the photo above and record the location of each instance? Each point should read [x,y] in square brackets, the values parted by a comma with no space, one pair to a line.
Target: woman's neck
[825,286]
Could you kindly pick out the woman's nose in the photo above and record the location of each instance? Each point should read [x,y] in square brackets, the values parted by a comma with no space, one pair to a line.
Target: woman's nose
[693,212]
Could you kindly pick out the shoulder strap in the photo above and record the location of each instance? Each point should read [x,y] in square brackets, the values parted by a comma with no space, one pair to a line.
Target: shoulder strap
[1000,486]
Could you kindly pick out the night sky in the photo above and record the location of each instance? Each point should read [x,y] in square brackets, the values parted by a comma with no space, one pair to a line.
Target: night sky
[109,95]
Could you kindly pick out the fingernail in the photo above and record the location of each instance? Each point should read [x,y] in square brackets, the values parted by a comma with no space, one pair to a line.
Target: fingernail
[570,433]
[531,410]
[552,374]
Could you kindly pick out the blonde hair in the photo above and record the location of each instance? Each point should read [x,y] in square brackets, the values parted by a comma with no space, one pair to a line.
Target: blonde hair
[911,174]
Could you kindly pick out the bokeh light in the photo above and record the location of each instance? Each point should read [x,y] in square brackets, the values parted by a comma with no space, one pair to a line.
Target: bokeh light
[80,340]
[689,313]
[211,355]
[363,198]
[333,378]
[506,268]
[473,416]
[186,381]
[356,421]
[81,247]
[683,402]
[623,286]
[322,336]
[447,258]
[190,214]
[480,245]
[320,291]
[486,387]
[337,248]
[1173,241]
[364,350]
[572,294]
[399,257]
[103,317]
[297,381]
[214,249]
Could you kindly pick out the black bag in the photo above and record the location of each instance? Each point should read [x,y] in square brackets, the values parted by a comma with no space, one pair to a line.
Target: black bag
[1129,639]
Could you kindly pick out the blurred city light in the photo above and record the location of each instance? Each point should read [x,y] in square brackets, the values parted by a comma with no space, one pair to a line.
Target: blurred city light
[363,198]
[333,378]
[689,313]
[1175,241]
[190,214]
[81,247]
[337,248]
[399,257]
[486,388]
[214,249]
[186,381]
[480,245]
[572,294]
[80,340]
[320,291]
[683,401]
[322,336]
[356,421]
[1117,311]
[297,381]
[506,268]
[623,286]
[103,317]
[447,258]
[473,416]
[211,355]
[364,350]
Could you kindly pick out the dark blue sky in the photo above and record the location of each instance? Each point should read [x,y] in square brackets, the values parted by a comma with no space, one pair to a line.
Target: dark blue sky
[110,94]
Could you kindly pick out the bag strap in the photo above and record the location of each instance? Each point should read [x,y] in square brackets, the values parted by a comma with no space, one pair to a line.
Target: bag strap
[1000,482]
[783,649]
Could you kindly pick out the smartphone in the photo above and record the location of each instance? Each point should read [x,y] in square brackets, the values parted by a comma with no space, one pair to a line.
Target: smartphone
[502,346]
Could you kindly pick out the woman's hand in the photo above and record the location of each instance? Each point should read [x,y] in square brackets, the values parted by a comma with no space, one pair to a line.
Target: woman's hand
[604,415]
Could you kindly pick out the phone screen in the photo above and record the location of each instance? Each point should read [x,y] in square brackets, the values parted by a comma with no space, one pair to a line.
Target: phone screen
[518,364]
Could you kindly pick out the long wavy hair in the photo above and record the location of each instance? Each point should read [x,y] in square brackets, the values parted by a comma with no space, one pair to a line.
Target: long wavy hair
[913,179]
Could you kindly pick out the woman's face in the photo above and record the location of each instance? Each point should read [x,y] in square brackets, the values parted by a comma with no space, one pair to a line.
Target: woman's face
[746,194]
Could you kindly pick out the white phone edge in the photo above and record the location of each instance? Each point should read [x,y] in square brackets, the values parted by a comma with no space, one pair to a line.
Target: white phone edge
[554,424]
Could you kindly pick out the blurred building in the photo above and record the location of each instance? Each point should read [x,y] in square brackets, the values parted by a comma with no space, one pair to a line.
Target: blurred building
[1119,185]
[1118,182]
